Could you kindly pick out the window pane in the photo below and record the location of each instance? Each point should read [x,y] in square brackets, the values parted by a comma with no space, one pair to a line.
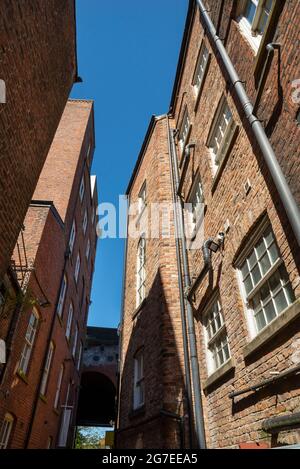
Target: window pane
[270,311]
[274,253]
[274,282]
[280,301]
[250,11]
[265,263]
[248,284]
[252,260]
[260,248]
[260,320]
[245,270]
[256,275]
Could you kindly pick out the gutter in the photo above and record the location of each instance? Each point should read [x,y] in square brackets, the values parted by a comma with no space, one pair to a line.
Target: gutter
[286,196]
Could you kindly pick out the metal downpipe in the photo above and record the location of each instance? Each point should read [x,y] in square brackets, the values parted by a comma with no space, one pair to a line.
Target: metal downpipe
[182,306]
[286,196]
[199,420]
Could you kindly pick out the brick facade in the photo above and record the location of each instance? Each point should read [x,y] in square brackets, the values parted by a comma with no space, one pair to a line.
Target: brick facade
[47,226]
[38,66]
[238,212]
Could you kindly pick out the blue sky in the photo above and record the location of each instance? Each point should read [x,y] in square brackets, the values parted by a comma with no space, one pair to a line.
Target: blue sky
[127,57]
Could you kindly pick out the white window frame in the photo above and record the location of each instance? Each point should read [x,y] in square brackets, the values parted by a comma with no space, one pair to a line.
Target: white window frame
[222,116]
[142,198]
[30,338]
[141,271]
[79,356]
[62,295]
[81,188]
[72,236]
[6,428]
[200,69]
[85,221]
[251,30]
[215,340]
[58,386]
[184,130]
[69,321]
[196,201]
[88,249]
[77,267]
[276,267]
[138,380]
[75,341]
[46,370]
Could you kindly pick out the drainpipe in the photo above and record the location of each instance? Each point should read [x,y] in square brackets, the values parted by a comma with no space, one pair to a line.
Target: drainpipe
[286,196]
[178,215]
[188,385]
[120,360]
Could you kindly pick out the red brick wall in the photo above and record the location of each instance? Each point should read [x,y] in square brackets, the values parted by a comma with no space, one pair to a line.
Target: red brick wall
[156,327]
[227,424]
[38,65]
[46,241]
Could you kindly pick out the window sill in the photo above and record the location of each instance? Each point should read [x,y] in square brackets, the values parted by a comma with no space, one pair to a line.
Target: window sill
[138,412]
[246,32]
[219,373]
[139,308]
[22,376]
[223,162]
[291,313]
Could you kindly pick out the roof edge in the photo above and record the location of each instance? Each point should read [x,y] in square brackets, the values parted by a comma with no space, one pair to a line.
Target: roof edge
[139,160]
[182,54]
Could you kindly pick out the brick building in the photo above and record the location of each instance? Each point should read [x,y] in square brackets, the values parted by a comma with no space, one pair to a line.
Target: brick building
[44,315]
[245,295]
[38,66]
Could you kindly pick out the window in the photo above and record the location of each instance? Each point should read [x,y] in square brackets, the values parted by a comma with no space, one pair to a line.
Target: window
[266,287]
[84,223]
[138,391]
[184,130]
[216,337]
[77,267]
[87,251]
[75,341]
[58,387]
[79,356]
[69,321]
[200,69]
[81,189]
[196,199]
[141,271]
[142,198]
[62,295]
[6,429]
[72,236]
[29,341]
[88,153]
[221,134]
[254,19]
[47,369]
[93,215]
